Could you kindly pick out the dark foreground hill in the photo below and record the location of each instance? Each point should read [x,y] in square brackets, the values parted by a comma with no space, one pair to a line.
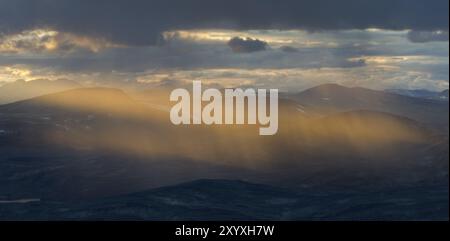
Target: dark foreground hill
[237,200]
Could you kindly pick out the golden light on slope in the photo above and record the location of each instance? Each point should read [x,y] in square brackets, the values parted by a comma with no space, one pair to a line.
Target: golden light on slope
[127,127]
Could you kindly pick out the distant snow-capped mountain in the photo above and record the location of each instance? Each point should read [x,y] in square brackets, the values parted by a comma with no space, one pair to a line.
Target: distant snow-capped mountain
[421,93]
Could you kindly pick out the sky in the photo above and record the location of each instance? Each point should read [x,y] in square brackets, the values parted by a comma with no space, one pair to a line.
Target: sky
[286,44]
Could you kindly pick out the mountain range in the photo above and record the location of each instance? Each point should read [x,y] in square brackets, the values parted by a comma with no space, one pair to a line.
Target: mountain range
[332,98]
[99,153]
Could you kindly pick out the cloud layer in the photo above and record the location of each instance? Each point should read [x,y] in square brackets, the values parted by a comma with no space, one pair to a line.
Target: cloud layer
[141,22]
[287,44]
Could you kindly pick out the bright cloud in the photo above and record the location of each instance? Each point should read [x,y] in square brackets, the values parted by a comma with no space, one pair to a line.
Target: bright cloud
[47,40]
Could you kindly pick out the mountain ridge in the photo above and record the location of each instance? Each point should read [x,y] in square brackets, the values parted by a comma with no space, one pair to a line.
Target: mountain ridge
[22,90]
[332,98]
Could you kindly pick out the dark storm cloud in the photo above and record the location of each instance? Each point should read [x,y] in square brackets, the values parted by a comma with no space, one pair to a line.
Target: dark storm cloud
[428,36]
[246,45]
[141,22]
[289,49]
